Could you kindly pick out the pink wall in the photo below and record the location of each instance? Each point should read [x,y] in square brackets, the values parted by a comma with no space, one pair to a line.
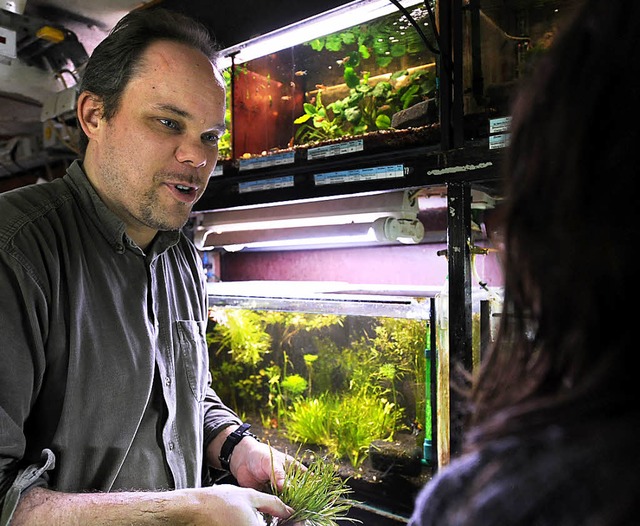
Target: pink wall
[394,265]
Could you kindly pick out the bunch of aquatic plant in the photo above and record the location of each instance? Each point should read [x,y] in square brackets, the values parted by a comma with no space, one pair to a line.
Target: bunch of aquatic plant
[294,386]
[346,424]
[362,418]
[240,332]
[392,360]
[318,495]
[309,421]
[385,39]
[318,123]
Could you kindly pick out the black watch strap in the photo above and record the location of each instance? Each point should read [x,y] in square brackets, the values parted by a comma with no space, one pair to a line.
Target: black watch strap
[231,442]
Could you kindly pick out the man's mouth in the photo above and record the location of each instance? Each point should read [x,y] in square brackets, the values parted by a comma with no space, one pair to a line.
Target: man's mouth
[185,189]
[183,192]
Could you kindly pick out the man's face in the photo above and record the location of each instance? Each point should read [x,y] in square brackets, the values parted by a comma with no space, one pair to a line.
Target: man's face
[151,162]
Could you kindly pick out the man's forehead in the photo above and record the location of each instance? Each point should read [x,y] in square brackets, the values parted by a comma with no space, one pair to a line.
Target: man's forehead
[179,57]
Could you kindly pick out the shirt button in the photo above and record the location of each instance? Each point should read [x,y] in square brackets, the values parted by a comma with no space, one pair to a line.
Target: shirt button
[171,446]
[167,381]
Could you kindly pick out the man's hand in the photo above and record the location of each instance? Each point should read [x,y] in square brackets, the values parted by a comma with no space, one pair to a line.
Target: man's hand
[251,461]
[227,504]
[255,464]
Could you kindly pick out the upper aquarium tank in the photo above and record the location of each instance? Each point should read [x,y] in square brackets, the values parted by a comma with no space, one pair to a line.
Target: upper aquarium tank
[339,79]
[369,75]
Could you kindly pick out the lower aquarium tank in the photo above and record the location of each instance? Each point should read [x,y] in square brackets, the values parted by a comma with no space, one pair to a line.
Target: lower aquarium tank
[335,373]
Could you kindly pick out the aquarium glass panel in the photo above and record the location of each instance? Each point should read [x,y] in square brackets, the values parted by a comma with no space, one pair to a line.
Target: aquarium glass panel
[349,83]
[502,41]
[351,388]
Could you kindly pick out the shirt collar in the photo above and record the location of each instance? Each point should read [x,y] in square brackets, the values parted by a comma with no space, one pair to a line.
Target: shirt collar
[109,224]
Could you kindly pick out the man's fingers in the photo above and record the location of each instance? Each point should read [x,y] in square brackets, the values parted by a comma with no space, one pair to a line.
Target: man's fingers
[272,505]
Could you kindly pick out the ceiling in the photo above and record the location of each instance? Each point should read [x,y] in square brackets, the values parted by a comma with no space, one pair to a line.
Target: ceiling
[24,88]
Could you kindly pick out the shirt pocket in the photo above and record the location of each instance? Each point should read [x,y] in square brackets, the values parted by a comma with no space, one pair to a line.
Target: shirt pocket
[194,354]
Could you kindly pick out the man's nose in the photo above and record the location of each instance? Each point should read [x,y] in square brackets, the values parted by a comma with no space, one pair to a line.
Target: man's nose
[192,151]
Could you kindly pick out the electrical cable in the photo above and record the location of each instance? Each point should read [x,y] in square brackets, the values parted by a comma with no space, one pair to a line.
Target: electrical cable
[60,76]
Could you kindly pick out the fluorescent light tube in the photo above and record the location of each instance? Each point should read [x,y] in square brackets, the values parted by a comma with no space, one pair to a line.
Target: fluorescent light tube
[332,21]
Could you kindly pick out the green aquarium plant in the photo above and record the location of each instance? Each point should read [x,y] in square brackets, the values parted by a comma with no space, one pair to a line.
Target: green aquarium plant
[370,104]
[397,353]
[335,382]
[368,107]
[309,360]
[317,494]
[275,402]
[344,424]
[310,421]
[249,357]
[224,143]
[241,333]
[317,123]
[361,418]
[382,40]
[294,386]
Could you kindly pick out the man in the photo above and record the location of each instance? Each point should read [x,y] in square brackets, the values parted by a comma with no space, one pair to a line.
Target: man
[104,383]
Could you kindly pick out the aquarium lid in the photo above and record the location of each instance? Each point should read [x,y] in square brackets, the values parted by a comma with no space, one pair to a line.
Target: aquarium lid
[326,297]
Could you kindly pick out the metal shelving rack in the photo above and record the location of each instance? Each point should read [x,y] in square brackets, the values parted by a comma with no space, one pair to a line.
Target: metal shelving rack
[454,162]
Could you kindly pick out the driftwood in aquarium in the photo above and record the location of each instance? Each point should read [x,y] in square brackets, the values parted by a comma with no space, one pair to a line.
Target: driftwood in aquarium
[419,114]
[396,457]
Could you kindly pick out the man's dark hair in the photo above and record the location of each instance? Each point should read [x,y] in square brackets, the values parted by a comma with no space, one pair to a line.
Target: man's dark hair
[117,58]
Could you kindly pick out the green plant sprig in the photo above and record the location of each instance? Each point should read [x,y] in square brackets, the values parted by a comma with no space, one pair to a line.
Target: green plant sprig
[319,496]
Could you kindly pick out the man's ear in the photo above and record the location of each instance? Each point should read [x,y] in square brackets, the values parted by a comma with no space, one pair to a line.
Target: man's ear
[89,111]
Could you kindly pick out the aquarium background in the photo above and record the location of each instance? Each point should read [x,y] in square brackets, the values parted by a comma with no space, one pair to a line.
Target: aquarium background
[337,381]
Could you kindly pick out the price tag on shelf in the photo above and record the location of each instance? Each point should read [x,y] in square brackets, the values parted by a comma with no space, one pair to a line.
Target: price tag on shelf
[360,174]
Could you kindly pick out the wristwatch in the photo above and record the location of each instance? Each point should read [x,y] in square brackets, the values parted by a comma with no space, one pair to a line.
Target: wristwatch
[231,442]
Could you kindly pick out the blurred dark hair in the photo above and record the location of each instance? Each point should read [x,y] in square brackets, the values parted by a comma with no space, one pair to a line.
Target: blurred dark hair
[117,58]
[568,329]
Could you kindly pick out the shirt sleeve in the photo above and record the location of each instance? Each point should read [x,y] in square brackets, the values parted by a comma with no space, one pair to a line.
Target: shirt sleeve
[217,416]
[22,358]
[30,477]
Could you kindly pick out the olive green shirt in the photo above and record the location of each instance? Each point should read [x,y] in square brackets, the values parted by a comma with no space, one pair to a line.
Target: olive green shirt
[104,373]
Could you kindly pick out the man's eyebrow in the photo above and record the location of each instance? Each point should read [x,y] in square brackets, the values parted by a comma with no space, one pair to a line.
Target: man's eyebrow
[174,109]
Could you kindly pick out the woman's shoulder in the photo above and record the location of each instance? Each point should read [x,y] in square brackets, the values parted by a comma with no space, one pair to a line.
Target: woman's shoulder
[545,479]
[438,501]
